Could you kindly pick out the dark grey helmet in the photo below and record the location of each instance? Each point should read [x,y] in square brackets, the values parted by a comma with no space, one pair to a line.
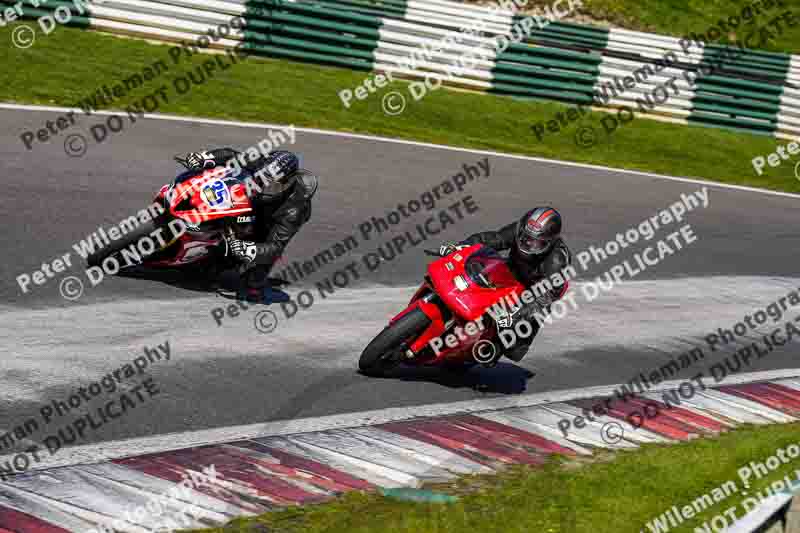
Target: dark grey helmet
[538,229]
[278,172]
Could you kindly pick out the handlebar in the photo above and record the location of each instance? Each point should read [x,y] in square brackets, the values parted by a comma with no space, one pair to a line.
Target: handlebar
[432,253]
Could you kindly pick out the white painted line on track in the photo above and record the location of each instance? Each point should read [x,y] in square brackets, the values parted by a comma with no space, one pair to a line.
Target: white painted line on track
[104,451]
[257,125]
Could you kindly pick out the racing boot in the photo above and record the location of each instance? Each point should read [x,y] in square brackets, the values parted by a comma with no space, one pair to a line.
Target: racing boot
[264,295]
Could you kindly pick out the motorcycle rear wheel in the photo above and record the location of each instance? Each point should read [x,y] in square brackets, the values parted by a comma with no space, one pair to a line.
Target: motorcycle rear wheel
[382,354]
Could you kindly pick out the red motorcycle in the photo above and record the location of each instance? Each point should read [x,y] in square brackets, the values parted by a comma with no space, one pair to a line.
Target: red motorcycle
[446,322]
[198,211]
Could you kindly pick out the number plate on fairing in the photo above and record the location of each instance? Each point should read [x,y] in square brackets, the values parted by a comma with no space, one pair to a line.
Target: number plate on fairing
[216,194]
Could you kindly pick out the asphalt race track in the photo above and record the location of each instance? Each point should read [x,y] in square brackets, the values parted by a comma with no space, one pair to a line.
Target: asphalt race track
[745,258]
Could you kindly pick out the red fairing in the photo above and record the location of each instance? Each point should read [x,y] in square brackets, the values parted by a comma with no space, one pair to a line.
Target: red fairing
[464,294]
[211,195]
[464,284]
[191,249]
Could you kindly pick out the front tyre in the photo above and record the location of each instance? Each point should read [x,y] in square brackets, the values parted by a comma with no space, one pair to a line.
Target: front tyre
[129,241]
[382,354]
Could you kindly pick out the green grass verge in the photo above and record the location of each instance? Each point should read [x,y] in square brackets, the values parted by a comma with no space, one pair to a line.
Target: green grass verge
[70,63]
[682,17]
[608,494]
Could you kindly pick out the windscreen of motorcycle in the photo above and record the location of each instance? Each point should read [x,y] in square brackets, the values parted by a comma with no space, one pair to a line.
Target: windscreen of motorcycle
[489,270]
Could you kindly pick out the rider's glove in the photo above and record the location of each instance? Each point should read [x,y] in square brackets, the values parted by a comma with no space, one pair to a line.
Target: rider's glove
[544,300]
[503,319]
[449,247]
[200,160]
[244,251]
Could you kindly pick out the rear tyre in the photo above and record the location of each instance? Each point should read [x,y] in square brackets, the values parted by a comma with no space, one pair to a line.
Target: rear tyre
[384,352]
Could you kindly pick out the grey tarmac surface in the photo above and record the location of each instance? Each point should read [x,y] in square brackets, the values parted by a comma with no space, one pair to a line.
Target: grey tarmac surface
[744,258]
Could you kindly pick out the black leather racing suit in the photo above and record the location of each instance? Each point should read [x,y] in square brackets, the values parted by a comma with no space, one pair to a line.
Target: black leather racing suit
[276,219]
[529,270]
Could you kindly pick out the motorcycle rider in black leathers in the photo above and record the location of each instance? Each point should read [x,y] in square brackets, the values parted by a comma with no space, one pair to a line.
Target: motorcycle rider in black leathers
[280,209]
[536,252]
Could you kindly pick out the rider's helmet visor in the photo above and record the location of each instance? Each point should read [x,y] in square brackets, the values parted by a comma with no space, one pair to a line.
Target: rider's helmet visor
[531,245]
[274,184]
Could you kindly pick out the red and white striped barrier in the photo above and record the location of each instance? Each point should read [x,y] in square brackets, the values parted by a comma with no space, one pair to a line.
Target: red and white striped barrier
[279,464]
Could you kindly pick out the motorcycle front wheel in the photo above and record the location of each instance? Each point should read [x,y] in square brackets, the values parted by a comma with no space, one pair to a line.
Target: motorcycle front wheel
[383,353]
[129,241]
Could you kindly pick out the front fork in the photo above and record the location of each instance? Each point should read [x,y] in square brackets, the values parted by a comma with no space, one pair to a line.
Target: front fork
[438,313]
